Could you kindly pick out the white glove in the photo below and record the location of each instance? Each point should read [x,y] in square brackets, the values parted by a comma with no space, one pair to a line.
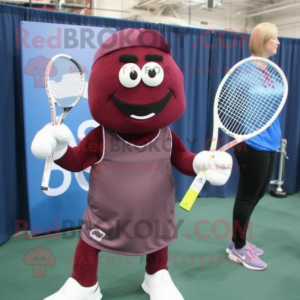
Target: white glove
[51,138]
[217,166]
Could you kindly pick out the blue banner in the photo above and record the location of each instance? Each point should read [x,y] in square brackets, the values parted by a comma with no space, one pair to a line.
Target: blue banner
[63,205]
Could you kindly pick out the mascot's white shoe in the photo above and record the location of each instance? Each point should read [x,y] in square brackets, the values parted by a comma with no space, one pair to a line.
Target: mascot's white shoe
[160,286]
[72,290]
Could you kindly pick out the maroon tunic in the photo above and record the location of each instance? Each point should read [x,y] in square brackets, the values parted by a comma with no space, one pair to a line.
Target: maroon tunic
[131,201]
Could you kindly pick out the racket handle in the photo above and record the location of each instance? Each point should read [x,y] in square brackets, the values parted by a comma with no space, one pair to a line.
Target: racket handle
[47,172]
[191,195]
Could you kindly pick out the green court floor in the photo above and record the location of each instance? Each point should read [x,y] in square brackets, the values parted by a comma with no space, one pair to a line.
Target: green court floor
[197,260]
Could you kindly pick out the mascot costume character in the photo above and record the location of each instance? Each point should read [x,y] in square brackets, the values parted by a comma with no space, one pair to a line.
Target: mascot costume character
[135,91]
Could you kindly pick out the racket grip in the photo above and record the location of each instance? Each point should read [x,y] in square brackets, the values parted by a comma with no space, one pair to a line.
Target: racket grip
[47,172]
[191,195]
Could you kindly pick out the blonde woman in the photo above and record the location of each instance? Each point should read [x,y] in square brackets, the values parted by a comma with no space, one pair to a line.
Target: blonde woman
[258,157]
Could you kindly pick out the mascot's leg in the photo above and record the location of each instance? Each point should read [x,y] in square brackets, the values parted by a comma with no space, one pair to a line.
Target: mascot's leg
[158,283]
[83,285]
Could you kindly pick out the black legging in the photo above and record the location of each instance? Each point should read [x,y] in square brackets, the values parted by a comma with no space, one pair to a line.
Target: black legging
[256,168]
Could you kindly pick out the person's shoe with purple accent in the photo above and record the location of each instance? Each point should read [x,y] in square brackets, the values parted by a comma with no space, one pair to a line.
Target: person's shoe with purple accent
[247,257]
[258,251]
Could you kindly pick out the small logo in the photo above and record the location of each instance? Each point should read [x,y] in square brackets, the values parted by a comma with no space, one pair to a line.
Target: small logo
[97,234]
[242,257]
[200,180]
[39,258]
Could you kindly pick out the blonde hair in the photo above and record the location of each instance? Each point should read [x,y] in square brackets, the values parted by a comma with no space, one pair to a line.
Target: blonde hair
[260,35]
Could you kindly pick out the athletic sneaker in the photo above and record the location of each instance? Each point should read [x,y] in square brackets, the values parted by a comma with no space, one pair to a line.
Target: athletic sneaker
[247,257]
[258,251]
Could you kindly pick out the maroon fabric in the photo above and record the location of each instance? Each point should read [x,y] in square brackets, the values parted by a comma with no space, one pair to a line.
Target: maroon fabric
[104,83]
[89,151]
[131,204]
[131,37]
[157,261]
[85,264]
[181,158]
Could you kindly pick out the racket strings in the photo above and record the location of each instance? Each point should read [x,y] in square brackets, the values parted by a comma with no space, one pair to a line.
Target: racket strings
[249,98]
[65,82]
[240,111]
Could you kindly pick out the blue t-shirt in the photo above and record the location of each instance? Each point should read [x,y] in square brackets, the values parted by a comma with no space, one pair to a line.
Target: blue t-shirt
[268,140]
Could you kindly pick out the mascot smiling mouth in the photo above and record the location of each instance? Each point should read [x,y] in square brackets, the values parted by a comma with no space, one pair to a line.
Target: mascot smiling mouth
[142,112]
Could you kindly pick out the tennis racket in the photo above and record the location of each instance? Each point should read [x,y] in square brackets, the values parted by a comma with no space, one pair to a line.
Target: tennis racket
[249,98]
[64,80]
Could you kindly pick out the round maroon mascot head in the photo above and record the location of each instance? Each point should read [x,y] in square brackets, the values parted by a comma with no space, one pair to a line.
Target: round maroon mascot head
[135,85]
